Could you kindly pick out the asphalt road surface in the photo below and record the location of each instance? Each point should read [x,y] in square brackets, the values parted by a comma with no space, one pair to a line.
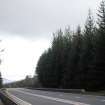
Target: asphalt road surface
[37,97]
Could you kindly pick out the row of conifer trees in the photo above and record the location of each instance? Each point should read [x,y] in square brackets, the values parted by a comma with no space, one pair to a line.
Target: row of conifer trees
[76,59]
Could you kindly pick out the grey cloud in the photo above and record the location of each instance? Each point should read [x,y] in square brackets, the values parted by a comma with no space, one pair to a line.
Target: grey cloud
[40,17]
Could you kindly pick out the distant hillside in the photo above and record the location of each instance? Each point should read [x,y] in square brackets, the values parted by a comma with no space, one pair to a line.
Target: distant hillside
[5,81]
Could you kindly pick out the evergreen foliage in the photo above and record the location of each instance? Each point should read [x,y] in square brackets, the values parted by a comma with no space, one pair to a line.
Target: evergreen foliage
[76,59]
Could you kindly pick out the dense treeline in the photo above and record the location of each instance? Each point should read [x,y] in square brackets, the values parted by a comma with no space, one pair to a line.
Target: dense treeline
[76,59]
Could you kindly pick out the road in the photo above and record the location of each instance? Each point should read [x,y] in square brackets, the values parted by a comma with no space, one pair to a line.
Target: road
[37,97]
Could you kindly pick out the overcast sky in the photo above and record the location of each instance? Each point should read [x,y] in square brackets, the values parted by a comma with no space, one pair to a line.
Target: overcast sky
[26,28]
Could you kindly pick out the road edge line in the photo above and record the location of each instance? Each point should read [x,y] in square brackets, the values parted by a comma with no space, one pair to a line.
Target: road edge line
[17,100]
[54,99]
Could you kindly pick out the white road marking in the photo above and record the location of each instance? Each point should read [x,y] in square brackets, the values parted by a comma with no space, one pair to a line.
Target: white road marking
[54,99]
[18,100]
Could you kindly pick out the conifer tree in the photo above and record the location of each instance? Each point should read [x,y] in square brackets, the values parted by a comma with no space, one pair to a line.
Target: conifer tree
[87,49]
[97,72]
